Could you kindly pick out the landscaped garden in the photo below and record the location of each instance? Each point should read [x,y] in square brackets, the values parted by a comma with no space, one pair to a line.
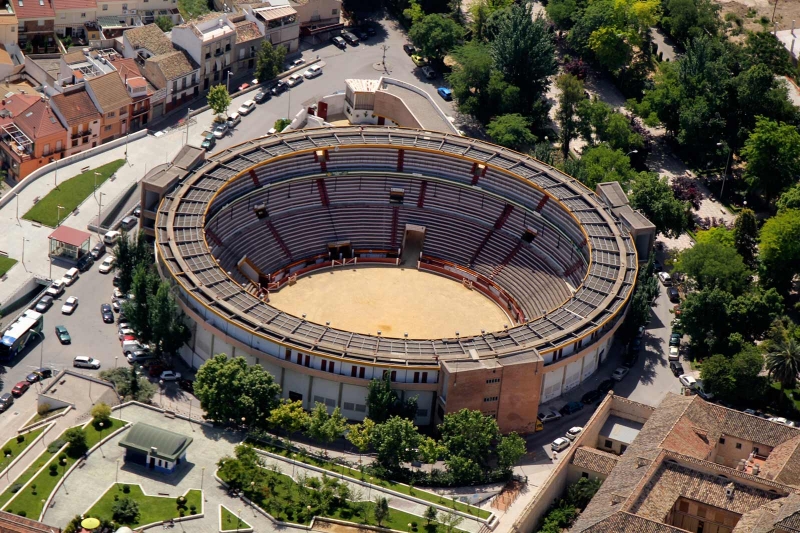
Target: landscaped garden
[70,194]
[298,502]
[230,521]
[128,505]
[5,264]
[29,501]
[45,413]
[14,447]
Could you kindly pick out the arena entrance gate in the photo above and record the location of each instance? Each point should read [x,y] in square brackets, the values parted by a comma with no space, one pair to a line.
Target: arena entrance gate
[413,243]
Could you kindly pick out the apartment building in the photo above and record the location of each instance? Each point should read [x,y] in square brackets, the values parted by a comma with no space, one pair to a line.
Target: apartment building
[8,25]
[248,42]
[72,15]
[75,109]
[110,96]
[138,89]
[34,139]
[318,18]
[175,74]
[279,24]
[209,41]
[36,22]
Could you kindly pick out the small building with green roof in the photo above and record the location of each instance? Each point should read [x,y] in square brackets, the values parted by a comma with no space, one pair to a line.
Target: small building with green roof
[159,449]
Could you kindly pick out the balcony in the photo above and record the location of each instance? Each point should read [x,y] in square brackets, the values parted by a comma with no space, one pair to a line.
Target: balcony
[140,112]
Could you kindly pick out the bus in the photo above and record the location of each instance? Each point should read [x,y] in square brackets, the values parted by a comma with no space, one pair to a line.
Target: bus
[18,334]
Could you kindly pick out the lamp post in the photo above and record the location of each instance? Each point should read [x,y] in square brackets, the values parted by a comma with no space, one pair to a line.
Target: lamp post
[116,473]
[64,481]
[294,457]
[115,361]
[238,519]
[161,390]
[727,165]
[55,176]
[228,81]
[188,114]
[202,477]
[101,439]
[58,215]
[99,209]
[17,197]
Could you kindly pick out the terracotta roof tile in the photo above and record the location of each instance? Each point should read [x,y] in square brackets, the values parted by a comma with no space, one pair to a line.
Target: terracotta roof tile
[622,522]
[594,460]
[73,57]
[173,65]
[61,5]
[109,92]
[12,523]
[39,121]
[149,37]
[76,107]
[247,31]
[32,9]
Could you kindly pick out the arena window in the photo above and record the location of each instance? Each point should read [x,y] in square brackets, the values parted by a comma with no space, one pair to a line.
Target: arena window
[491,399]
[416,377]
[493,380]
[330,367]
[424,377]
[348,406]
[393,375]
[288,356]
[324,365]
[299,359]
[308,360]
[353,370]
[361,372]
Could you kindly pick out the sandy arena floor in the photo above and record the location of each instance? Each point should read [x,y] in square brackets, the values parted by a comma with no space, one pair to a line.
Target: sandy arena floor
[392,300]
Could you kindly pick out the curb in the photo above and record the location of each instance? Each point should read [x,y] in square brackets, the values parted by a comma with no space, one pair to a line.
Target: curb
[19,457]
[241,529]
[36,425]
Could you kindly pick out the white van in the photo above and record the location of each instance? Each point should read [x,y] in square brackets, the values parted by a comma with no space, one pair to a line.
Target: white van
[665,278]
[111,237]
[71,276]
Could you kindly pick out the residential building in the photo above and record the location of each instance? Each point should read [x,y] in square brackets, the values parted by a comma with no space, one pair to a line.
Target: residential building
[75,109]
[279,25]
[36,21]
[110,96]
[144,42]
[12,61]
[34,139]
[248,42]
[176,75]
[319,18]
[8,25]
[209,41]
[72,15]
[139,90]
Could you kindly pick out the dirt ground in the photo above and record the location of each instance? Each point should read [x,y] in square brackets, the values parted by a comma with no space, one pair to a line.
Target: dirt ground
[392,300]
[750,11]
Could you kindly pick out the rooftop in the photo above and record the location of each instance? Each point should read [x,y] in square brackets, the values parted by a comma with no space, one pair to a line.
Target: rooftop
[209,26]
[594,460]
[150,37]
[247,31]
[34,9]
[71,236]
[173,65]
[39,121]
[61,5]
[109,92]
[143,437]
[274,13]
[76,107]
[620,429]
[425,110]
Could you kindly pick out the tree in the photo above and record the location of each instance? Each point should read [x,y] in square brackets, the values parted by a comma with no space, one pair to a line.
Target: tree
[164,23]
[511,130]
[430,514]
[219,100]
[562,13]
[772,152]
[326,427]
[581,492]
[435,35]
[469,434]
[129,253]
[745,235]
[269,61]
[783,362]
[711,264]
[125,511]
[510,449]
[430,450]
[654,197]
[231,390]
[383,402]
[481,12]
[570,95]
[101,412]
[469,79]
[76,438]
[395,441]
[704,316]
[450,521]
[130,385]
[763,48]
[601,164]
[381,510]
[789,199]
[144,284]
[360,435]
[168,329]
[717,376]
[281,124]
[779,250]
[752,313]
[524,52]
[289,416]
[414,13]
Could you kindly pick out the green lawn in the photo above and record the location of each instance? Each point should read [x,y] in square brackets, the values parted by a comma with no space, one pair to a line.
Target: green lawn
[16,447]
[5,264]
[356,474]
[38,418]
[151,508]
[70,194]
[29,500]
[192,8]
[792,395]
[231,522]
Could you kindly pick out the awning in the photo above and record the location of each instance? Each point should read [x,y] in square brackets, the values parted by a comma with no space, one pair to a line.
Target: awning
[71,236]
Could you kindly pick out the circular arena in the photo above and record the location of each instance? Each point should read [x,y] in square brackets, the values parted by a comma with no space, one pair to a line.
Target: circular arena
[279,214]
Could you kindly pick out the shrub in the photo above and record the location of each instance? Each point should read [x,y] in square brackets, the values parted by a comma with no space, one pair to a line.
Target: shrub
[116,497]
[181,513]
[76,438]
[101,413]
[125,511]
[53,469]
[126,489]
[6,451]
[413,523]
[20,439]
[180,500]
[62,457]
[15,488]
[192,511]
[192,507]
[55,446]
[22,514]
[43,408]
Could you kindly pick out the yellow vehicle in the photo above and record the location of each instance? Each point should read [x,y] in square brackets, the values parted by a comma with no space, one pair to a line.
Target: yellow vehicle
[539,425]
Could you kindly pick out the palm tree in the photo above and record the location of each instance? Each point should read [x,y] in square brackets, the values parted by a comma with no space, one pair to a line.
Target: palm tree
[783,361]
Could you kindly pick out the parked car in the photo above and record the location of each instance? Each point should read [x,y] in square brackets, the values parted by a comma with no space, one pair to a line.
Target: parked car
[208,142]
[137,211]
[445,93]
[234,120]
[571,407]
[560,444]
[351,39]
[294,80]
[107,313]
[20,388]
[84,361]
[688,381]
[361,34]
[85,262]
[98,251]
[6,401]
[675,339]
[630,359]
[107,265]
[279,88]
[674,353]
[186,385]
[130,346]
[573,433]
[781,420]
[247,107]
[419,60]
[139,356]
[129,222]
[673,295]
[591,397]
[126,334]
[56,288]
[116,306]
[339,42]
[701,391]
[220,130]
[44,303]
[657,266]
[44,372]
[606,386]
[369,29]
[297,62]
[549,415]
[70,305]
[676,367]
[665,278]
[261,97]
[619,373]
[409,49]
[635,346]
[39,375]
[170,375]
[312,72]
[33,377]
[63,335]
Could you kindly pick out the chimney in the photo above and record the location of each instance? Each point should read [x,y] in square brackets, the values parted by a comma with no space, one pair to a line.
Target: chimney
[729,488]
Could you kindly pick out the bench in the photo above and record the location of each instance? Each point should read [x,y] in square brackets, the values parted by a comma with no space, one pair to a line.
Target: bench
[36,200]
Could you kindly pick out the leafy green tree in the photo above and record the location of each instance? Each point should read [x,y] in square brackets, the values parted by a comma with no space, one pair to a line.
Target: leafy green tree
[358,10]
[772,153]
[789,199]
[145,283]
[129,253]
[582,491]
[394,441]
[219,100]
[168,329]
[360,435]
[704,317]
[164,23]
[450,521]
[763,48]
[383,402]
[464,470]
[512,131]
[612,47]
[232,390]
[779,250]
[101,412]
[269,61]
[281,124]
[685,19]
[752,313]
[745,234]
[654,197]
[510,449]
[602,164]
[570,95]
[481,12]
[435,35]
[469,434]
[430,514]
[130,385]
[524,52]
[783,362]
[414,13]
[562,13]
[479,89]
[326,427]
[712,264]
[125,511]
[720,235]
[381,510]
[76,438]
[289,416]
[717,376]
[430,450]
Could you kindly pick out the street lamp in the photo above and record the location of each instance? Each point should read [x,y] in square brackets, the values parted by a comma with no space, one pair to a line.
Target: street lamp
[58,215]
[115,360]
[294,456]
[238,519]
[116,473]
[188,114]
[202,477]
[228,80]
[727,165]
[632,152]
[99,209]
[101,439]
[161,387]
[64,481]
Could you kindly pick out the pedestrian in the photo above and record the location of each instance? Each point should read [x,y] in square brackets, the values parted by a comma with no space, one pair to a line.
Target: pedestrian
[555,456]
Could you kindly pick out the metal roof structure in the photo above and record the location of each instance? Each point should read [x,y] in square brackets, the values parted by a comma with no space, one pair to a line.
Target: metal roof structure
[607,251]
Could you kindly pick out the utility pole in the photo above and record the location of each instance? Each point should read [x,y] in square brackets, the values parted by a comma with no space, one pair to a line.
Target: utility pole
[383,61]
[188,114]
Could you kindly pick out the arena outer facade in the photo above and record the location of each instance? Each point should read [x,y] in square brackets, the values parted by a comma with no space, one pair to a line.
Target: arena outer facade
[526,235]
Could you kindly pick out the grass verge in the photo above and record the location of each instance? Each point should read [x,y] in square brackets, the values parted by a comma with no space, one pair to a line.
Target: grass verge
[231,522]
[70,194]
[357,474]
[39,417]
[151,508]
[30,500]
[16,448]
[5,264]
[192,8]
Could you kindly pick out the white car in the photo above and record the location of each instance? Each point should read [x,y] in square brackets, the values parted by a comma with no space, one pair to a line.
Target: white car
[56,289]
[126,331]
[83,361]
[312,72]
[781,420]
[220,130]
[674,353]
[665,278]
[107,265]
[560,444]
[549,415]
[117,294]
[688,381]
[70,305]
[294,80]
[170,375]
[247,107]
[620,373]
[573,433]
[298,62]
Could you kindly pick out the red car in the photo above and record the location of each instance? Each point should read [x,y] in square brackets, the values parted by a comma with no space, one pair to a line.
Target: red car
[20,388]
[127,338]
